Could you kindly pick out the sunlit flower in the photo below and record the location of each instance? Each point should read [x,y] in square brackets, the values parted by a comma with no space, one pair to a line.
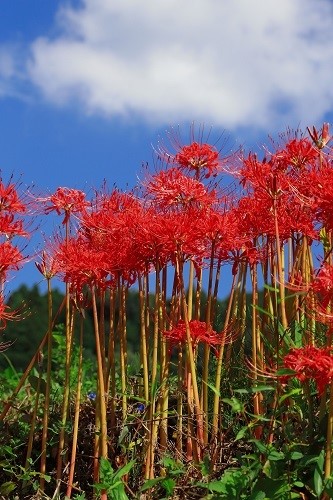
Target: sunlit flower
[9,227]
[10,257]
[66,201]
[9,199]
[200,332]
[198,158]
[81,264]
[310,363]
[322,138]
[171,188]
[48,265]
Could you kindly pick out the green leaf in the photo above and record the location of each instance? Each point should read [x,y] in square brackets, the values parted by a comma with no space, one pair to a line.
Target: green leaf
[258,495]
[285,371]
[38,384]
[263,311]
[105,468]
[271,288]
[296,455]
[7,488]
[150,483]
[205,466]
[124,432]
[261,447]
[318,474]
[212,388]
[169,485]
[124,470]
[236,405]
[256,388]
[290,394]
[275,455]
[241,433]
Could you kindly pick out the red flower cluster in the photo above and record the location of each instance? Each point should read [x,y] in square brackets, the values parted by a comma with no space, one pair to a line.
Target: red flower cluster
[12,208]
[200,332]
[171,188]
[198,158]
[310,363]
[66,201]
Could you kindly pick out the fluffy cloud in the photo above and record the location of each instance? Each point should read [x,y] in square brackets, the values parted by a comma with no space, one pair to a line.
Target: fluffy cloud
[232,63]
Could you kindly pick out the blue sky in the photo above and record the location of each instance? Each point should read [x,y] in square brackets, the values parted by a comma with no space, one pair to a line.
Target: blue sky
[88,86]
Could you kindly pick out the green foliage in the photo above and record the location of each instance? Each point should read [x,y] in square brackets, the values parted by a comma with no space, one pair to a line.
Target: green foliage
[111,481]
[164,486]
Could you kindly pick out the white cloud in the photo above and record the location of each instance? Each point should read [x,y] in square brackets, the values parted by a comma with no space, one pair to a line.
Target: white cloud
[229,62]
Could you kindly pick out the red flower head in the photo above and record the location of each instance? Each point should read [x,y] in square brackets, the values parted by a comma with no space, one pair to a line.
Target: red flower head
[67,201]
[310,363]
[48,265]
[200,332]
[171,188]
[9,199]
[7,314]
[81,263]
[10,258]
[198,158]
[297,153]
[322,284]
[9,227]
[197,155]
[320,138]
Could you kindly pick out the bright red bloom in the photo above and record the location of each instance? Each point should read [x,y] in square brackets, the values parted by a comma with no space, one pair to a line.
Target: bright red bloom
[317,189]
[171,188]
[266,175]
[297,153]
[67,201]
[198,158]
[10,227]
[322,138]
[81,264]
[310,363]
[114,226]
[10,257]
[9,199]
[322,284]
[200,332]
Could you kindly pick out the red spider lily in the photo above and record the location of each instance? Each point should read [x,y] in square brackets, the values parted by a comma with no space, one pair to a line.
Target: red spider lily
[105,219]
[180,234]
[115,225]
[67,201]
[267,175]
[322,138]
[171,188]
[200,332]
[10,257]
[81,264]
[198,158]
[148,238]
[7,314]
[297,153]
[220,232]
[310,363]
[317,189]
[48,266]
[322,284]
[10,227]
[9,199]
[256,216]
